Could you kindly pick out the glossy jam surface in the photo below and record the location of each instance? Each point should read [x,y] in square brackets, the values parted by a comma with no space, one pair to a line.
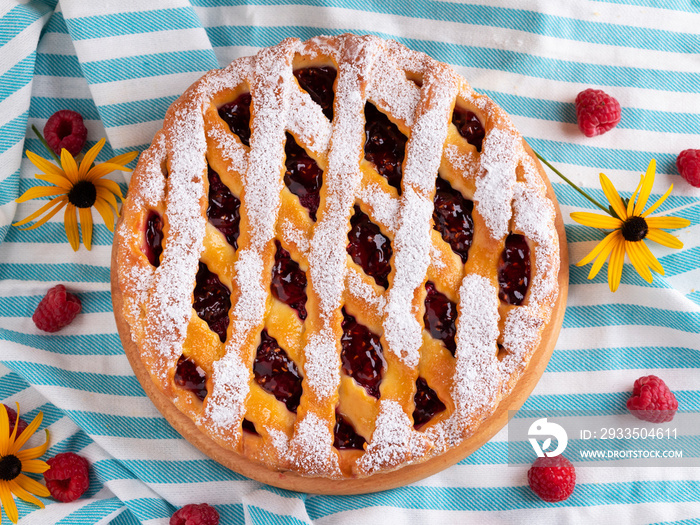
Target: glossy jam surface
[362,355]
[318,82]
[452,216]
[385,145]
[212,300]
[514,270]
[369,248]
[303,177]
[224,209]
[469,126]
[276,373]
[154,238]
[440,316]
[345,436]
[427,403]
[190,377]
[237,115]
[288,281]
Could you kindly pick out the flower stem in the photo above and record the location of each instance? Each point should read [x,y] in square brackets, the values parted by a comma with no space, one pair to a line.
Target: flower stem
[555,170]
[46,145]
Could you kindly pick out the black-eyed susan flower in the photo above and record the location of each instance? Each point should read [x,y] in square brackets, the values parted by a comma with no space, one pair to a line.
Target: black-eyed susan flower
[630,225]
[14,461]
[78,189]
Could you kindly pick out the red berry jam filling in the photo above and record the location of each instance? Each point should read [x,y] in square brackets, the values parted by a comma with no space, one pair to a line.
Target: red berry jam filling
[440,316]
[362,354]
[514,270]
[303,176]
[212,300]
[249,426]
[452,216]
[224,209]
[427,403]
[191,377]
[369,248]
[276,373]
[318,82]
[154,238]
[469,126]
[237,115]
[345,436]
[385,145]
[288,281]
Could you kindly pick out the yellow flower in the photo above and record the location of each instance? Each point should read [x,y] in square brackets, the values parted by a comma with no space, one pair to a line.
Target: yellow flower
[77,187]
[630,225]
[14,461]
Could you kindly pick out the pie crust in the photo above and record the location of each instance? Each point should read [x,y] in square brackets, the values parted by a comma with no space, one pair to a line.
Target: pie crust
[276,386]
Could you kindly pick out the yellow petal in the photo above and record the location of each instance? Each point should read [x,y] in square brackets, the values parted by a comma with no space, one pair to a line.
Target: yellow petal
[70,168]
[637,259]
[34,452]
[56,180]
[648,182]
[664,238]
[34,466]
[109,185]
[86,226]
[60,202]
[599,247]
[596,220]
[70,222]
[104,193]
[32,486]
[28,432]
[103,169]
[613,197]
[668,223]
[658,203]
[89,158]
[603,255]
[630,203]
[105,211]
[652,261]
[8,502]
[23,494]
[44,165]
[617,260]
[4,430]
[124,158]
[40,191]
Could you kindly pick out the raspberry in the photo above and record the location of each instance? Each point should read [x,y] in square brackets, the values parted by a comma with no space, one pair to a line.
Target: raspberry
[688,164]
[65,129]
[652,400]
[56,310]
[12,416]
[192,514]
[68,477]
[552,478]
[596,112]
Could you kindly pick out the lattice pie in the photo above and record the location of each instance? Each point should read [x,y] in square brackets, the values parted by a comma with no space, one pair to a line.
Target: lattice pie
[336,258]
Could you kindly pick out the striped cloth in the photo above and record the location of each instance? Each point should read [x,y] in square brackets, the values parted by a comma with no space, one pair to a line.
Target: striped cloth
[120,64]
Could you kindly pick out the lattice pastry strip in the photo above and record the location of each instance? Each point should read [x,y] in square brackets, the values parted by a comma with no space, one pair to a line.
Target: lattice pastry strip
[444,330]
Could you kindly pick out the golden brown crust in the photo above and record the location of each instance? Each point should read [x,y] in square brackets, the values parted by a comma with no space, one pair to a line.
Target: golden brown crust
[418,94]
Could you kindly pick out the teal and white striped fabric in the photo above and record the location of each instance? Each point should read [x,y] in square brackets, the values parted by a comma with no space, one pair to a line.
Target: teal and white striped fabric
[120,64]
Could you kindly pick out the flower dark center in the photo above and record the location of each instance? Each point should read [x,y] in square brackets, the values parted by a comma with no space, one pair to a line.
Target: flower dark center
[83,194]
[635,229]
[10,467]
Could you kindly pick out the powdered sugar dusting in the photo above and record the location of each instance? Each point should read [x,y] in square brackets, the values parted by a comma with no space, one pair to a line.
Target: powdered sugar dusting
[311,448]
[494,188]
[365,292]
[383,207]
[293,235]
[477,379]
[322,366]
[225,405]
